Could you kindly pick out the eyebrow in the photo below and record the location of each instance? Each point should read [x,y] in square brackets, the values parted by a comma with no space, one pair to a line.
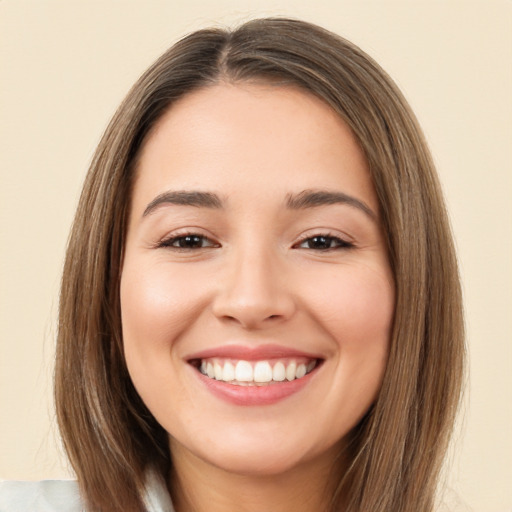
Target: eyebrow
[309,198]
[184,198]
[314,198]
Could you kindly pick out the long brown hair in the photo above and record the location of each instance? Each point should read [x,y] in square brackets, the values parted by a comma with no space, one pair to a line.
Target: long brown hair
[110,436]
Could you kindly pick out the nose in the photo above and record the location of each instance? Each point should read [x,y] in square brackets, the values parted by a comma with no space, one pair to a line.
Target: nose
[254,293]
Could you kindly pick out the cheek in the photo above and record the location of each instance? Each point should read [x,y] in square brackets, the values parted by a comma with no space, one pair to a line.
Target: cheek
[356,309]
[155,311]
[154,307]
[158,304]
[356,305]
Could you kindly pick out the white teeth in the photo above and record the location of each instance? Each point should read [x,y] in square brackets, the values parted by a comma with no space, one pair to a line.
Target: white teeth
[262,372]
[279,373]
[243,371]
[229,372]
[290,371]
[301,371]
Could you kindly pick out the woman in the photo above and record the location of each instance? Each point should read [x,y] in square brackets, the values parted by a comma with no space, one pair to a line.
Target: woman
[260,306]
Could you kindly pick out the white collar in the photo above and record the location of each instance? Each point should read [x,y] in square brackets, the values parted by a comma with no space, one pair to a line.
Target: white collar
[156,497]
[58,495]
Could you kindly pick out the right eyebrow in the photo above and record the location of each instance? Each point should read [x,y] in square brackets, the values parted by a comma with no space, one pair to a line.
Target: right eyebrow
[184,198]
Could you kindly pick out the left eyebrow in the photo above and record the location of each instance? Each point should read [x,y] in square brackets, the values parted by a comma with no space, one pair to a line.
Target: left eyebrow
[184,198]
[312,198]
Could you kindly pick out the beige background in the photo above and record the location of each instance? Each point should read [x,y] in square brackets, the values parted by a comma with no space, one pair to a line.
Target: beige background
[64,67]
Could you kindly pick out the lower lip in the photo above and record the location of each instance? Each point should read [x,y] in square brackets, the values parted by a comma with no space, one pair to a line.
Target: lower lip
[255,395]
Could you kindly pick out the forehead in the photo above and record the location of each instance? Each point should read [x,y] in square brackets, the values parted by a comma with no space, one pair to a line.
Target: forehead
[226,136]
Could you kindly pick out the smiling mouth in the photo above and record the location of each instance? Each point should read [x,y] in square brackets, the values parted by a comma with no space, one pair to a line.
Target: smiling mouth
[255,373]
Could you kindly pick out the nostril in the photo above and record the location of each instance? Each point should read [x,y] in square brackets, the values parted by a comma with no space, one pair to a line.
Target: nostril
[250,307]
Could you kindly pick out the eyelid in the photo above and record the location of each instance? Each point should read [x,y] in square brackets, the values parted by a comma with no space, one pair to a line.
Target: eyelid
[345,241]
[167,241]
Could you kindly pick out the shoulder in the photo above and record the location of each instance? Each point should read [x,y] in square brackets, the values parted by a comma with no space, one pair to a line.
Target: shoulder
[42,496]
[64,496]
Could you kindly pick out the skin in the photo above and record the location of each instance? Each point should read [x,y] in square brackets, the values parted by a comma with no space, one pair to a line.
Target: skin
[256,277]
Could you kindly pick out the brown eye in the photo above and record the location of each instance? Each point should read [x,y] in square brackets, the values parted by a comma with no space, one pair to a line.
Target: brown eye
[189,241]
[324,243]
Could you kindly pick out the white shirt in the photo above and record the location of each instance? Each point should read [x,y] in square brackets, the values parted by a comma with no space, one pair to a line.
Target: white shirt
[64,496]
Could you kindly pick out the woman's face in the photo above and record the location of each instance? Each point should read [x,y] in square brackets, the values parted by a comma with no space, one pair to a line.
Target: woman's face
[256,292]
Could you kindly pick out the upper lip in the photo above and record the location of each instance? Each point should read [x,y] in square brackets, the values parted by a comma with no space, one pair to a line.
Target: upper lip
[251,353]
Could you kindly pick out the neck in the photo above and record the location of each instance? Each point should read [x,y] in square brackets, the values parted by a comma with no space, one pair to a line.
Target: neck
[197,486]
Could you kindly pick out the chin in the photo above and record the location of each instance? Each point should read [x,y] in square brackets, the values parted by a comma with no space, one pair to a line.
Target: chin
[256,462]
[259,454]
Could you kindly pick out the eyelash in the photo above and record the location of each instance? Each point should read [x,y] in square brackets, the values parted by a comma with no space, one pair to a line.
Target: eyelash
[169,242]
[322,238]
